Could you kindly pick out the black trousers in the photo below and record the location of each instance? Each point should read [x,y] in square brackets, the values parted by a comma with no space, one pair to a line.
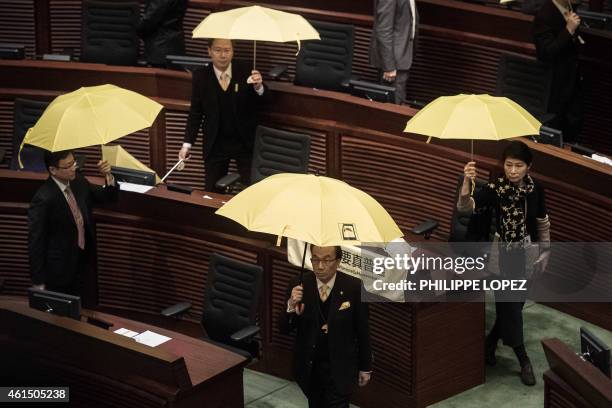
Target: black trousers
[509,304]
[323,391]
[508,323]
[217,162]
[76,286]
[570,115]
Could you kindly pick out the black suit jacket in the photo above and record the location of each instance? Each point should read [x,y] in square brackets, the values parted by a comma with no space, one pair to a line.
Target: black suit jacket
[558,48]
[205,106]
[52,232]
[348,338]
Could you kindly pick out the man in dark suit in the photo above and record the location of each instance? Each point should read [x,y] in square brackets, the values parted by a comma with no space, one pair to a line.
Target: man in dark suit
[61,236]
[558,44]
[392,43]
[161,28]
[225,95]
[332,348]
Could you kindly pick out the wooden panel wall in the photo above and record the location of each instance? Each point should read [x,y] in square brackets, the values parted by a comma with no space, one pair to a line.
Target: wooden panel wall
[147,269]
[17,24]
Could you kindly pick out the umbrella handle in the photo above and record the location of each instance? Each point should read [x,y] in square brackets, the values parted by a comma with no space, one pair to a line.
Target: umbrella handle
[254,53]
[303,262]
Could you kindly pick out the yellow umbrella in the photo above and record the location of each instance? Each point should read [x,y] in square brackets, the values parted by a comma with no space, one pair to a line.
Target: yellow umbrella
[473,117]
[91,116]
[320,210]
[119,157]
[258,24]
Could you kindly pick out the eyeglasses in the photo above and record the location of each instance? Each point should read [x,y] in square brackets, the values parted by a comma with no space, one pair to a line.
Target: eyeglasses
[68,167]
[220,51]
[324,262]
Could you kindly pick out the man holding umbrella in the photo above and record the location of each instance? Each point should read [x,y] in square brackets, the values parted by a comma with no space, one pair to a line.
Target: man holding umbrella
[225,95]
[332,349]
[61,236]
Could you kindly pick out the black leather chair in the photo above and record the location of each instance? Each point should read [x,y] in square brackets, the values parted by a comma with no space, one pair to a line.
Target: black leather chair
[527,82]
[108,32]
[230,305]
[275,151]
[459,221]
[25,115]
[327,64]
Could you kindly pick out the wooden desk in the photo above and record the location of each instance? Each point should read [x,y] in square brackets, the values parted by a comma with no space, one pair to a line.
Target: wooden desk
[105,369]
[571,381]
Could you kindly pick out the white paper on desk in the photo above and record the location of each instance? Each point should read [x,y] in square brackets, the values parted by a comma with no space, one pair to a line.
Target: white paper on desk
[151,339]
[136,188]
[126,332]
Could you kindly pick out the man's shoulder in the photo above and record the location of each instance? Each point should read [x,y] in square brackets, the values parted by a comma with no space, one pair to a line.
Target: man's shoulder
[46,190]
[348,281]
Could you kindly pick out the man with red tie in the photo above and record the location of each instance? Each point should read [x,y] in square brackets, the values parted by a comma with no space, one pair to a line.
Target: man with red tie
[61,235]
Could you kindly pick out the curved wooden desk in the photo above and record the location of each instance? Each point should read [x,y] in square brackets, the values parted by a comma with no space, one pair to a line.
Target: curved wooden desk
[105,369]
[459,45]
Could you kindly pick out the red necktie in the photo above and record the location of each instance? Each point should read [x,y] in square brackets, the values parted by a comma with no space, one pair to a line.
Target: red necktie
[78,217]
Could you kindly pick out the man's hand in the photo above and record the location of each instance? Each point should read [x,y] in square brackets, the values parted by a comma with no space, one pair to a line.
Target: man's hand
[104,168]
[256,80]
[295,301]
[184,153]
[541,263]
[389,76]
[40,287]
[469,171]
[572,22]
[364,378]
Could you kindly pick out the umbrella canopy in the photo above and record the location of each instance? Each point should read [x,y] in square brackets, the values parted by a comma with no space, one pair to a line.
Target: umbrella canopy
[473,117]
[91,116]
[256,23]
[320,210]
[117,156]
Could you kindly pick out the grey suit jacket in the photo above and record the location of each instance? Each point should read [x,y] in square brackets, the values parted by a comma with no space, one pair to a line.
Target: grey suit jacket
[390,46]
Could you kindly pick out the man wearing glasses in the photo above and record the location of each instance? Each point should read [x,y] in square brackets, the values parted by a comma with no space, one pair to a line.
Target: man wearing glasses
[61,237]
[225,96]
[332,348]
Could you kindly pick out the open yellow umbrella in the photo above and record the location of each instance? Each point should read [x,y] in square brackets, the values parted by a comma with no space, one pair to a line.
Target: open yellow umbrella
[320,210]
[91,116]
[258,24]
[473,117]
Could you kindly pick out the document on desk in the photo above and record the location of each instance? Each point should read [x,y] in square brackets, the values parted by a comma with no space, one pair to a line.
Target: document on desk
[136,188]
[126,332]
[151,339]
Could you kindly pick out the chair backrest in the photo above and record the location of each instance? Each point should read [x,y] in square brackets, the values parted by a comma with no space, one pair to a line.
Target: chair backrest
[279,151]
[460,222]
[25,115]
[327,63]
[108,32]
[232,298]
[526,81]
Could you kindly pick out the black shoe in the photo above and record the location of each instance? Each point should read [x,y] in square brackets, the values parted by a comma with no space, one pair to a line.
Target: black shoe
[490,353]
[527,376]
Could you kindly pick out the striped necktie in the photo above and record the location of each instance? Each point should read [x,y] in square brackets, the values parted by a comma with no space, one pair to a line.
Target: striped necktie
[78,217]
[324,292]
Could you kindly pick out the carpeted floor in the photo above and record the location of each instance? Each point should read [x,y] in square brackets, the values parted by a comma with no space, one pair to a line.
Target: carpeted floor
[503,387]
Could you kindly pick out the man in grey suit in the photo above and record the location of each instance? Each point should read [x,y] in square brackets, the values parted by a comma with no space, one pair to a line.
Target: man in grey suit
[392,42]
